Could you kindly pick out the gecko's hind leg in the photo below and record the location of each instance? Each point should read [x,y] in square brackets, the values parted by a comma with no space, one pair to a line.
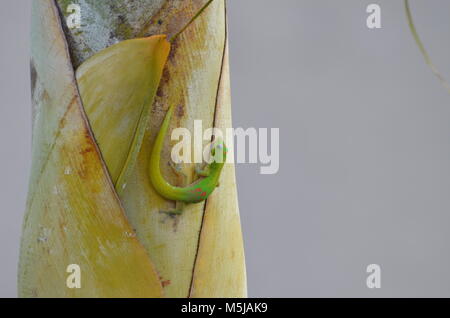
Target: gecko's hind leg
[177,168]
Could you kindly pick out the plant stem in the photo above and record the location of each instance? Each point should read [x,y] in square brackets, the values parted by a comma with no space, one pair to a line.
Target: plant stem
[422,47]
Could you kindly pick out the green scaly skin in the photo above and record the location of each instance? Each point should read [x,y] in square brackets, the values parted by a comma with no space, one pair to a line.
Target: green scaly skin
[195,192]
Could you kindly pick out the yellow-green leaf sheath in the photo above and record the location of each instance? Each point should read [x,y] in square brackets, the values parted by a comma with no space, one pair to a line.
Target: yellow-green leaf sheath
[73,214]
[117,87]
[219,269]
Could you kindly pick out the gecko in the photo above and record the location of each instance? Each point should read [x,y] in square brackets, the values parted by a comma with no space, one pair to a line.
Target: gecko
[200,189]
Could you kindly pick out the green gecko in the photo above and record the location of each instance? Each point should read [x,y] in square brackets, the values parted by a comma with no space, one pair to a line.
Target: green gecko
[195,192]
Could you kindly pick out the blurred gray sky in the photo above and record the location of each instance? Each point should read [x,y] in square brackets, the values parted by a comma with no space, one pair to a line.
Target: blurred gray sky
[365,145]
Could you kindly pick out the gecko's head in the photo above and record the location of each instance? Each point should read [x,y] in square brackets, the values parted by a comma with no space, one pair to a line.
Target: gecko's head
[219,153]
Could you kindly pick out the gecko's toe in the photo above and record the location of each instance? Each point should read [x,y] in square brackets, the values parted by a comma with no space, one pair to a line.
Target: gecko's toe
[172,213]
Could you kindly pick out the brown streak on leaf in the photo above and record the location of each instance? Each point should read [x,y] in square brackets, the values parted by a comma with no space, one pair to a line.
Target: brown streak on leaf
[33,75]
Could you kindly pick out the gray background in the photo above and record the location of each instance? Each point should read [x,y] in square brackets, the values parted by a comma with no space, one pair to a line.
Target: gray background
[365,145]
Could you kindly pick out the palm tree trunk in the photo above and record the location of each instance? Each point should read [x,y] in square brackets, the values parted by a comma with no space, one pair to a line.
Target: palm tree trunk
[122,243]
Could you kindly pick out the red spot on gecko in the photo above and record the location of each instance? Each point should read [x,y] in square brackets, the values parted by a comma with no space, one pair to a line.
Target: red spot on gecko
[199,190]
[203,194]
